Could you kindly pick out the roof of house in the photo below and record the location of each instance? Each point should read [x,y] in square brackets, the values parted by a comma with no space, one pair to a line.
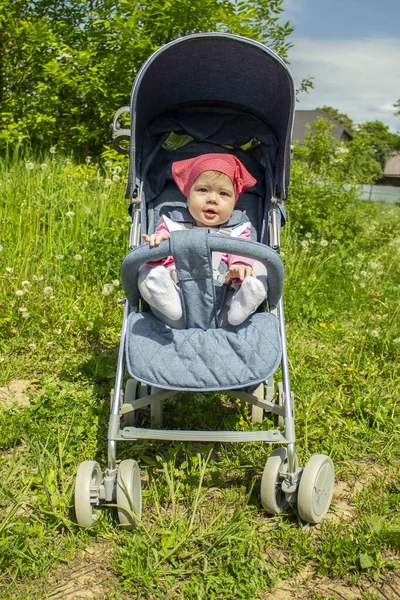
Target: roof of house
[304,117]
[392,166]
[391,173]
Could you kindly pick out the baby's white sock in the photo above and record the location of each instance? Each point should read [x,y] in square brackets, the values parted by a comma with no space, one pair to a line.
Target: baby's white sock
[246,300]
[158,289]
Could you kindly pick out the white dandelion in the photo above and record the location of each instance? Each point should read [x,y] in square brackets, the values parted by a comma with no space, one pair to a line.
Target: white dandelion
[116,178]
[53,150]
[70,213]
[29,165]
[107,182]
[60,256]
[324,243]
[48,290]
[304,244]
[374,333]
[10,270]
[78,257]
[19,293]
[108,164]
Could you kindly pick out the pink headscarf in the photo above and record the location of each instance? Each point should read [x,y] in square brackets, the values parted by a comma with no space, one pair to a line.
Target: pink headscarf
[185,172]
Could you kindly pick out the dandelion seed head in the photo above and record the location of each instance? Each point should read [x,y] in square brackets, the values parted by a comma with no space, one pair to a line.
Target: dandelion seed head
[25,283]
[374,333]
[32,345]
[19,293]
[71,277]
[104,197]
[38,278]
[75,308]
[116,178]
[52,150]
[107,182]
[362,284]
[108,164]
[355,276]
[373,265]
[23,309]
[47,290]
[78,257]
[308,234]
[117,169]
[88,160]
[107,289]
[25,315]
[115,282]
[29,165]
[323,243]
[334,241]
[10,270]
[70,213]
[43,166]
[60,256]
[304,243]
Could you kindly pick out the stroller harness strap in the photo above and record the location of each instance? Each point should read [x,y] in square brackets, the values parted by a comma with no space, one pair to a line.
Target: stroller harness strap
[195,274]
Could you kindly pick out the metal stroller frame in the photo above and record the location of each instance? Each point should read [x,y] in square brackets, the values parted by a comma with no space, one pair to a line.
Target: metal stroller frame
[283,482]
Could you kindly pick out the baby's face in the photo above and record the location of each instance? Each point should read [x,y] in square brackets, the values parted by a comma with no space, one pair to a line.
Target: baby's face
[211,199]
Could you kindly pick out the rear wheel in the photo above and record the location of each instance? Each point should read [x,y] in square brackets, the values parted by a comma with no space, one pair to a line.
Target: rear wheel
[87,492]
[273,498]
[316,488]
[129,494]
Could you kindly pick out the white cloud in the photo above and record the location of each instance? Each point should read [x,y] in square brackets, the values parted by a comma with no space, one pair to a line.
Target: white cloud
[358,77]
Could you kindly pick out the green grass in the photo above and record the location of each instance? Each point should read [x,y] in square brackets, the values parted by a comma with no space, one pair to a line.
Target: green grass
[203,533]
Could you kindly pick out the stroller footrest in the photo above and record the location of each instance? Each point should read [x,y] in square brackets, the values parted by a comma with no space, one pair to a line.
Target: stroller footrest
[271,436]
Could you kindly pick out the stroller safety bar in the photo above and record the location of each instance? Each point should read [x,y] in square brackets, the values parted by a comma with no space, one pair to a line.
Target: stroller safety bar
[271,436]
[217,243]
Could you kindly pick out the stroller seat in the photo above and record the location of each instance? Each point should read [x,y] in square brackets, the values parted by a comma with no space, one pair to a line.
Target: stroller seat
[202,356]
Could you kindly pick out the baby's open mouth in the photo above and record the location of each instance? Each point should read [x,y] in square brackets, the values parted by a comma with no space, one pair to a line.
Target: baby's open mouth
[210,211]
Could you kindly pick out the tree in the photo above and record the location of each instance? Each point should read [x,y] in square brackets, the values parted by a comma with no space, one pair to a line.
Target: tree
[338,116]
[67,65]
[382,141]
[397,105]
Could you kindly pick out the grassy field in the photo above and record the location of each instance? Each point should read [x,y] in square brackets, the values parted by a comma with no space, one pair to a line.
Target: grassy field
[203,534]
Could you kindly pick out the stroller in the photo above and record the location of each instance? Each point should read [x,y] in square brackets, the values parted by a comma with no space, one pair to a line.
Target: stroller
[205,93]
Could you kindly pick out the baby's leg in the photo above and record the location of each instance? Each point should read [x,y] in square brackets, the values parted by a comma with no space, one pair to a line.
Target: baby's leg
[162,294]
[246,300]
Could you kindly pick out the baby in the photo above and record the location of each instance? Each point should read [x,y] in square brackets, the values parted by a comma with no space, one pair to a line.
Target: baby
[212,184]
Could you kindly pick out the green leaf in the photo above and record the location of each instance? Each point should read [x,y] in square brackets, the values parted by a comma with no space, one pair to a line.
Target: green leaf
[366,561]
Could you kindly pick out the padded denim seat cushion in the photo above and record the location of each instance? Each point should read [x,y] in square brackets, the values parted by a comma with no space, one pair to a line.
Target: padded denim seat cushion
[197,360]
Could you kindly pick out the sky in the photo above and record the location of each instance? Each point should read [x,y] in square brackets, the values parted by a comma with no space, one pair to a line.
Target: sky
[352,50]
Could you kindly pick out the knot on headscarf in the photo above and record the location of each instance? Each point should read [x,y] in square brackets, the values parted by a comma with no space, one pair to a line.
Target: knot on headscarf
[185,172]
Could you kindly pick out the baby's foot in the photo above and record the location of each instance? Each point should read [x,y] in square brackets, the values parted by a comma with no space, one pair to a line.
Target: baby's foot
[161,293]
[246,300]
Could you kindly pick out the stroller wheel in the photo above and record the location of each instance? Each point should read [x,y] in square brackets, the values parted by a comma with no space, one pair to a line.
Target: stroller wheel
[316,488]
[273,498]
[129,494]
[87,492]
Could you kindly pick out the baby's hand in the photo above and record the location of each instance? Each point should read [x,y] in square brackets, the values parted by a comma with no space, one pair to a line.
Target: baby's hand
[155,238]
[239,271]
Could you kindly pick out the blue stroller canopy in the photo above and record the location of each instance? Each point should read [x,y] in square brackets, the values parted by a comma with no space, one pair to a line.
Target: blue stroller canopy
[215,69]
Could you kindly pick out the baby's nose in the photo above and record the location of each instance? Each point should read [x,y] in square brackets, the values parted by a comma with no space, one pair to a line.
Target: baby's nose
[212,197]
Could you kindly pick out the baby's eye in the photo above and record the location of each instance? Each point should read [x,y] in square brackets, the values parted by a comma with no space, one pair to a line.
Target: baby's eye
[202,189]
